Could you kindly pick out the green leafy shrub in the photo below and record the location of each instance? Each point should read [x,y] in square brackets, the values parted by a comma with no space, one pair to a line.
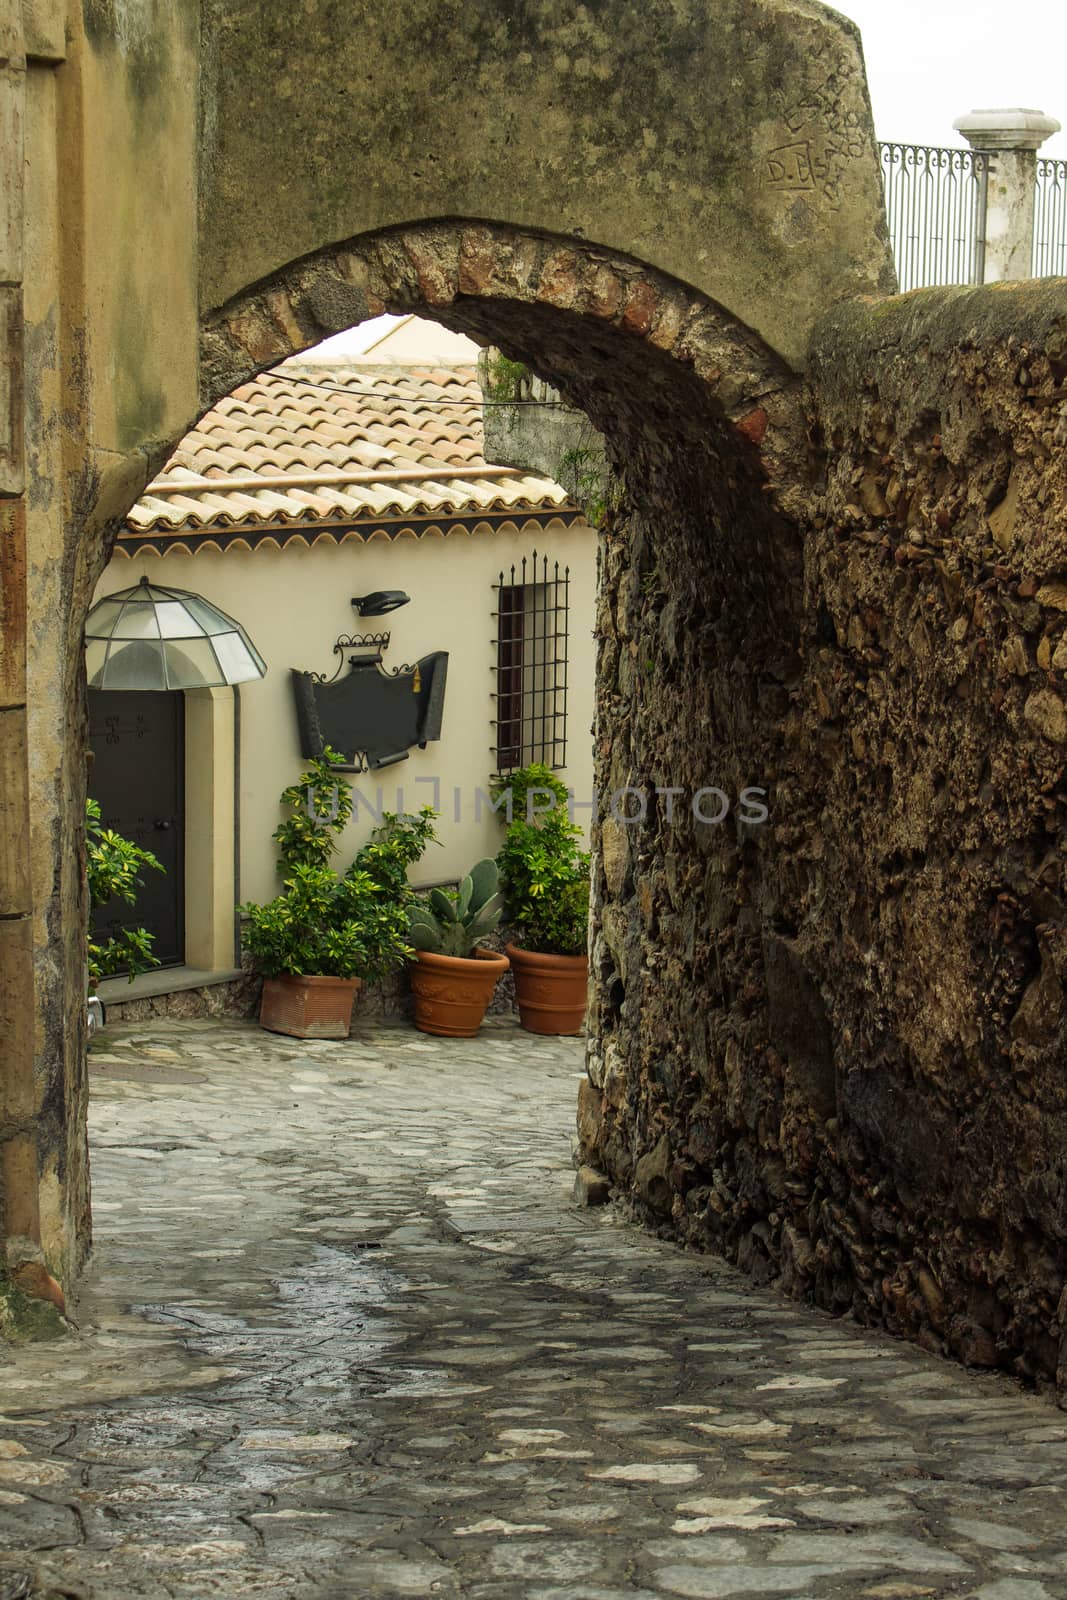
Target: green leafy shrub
[544,871]
[320,805]
[325,924]
[306,929]
[505,380]
[394,846]
[454,924]
[528,792]
[114,872]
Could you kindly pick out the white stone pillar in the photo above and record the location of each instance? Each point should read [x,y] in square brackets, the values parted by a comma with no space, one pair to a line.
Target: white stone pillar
[1010,141]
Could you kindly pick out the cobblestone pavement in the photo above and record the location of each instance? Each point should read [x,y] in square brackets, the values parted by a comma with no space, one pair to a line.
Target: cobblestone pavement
[345,1335]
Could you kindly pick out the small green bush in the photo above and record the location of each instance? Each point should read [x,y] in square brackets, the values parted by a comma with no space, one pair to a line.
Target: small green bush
[320,805]
[114,872]
[328,925]
[506,380]
[544,872]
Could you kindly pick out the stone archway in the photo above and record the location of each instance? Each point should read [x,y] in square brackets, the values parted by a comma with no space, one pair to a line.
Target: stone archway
[702,420]
[176,155]
[581,303]
[776,1004]
[700,646]
[667,375]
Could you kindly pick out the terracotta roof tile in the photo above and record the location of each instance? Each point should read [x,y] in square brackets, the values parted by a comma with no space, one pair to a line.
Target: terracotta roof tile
[304,444]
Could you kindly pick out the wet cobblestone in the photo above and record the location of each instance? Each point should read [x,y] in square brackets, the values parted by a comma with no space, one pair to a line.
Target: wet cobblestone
[345,1335]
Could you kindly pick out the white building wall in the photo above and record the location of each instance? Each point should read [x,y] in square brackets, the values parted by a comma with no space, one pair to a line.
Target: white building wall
[295,602]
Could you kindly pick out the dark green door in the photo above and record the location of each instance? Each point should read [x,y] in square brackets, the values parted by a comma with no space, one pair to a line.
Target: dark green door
[138,776]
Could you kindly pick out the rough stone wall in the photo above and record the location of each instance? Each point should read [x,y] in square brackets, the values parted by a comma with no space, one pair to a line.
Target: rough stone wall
[834,1047]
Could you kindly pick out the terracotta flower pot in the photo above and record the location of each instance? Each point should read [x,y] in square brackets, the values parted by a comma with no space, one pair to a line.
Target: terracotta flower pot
[552,991]
[452,992]
[308,1008]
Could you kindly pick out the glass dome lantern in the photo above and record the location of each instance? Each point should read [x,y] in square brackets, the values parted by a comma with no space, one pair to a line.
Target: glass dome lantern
[151,637]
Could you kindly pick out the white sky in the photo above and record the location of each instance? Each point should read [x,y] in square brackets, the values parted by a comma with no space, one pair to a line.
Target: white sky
[354,341]
[930,61]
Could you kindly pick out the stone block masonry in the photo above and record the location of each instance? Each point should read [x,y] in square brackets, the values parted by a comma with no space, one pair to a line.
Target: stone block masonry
[833,1048]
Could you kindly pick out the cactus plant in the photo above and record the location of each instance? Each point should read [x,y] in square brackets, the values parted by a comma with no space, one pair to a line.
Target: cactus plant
[453,924]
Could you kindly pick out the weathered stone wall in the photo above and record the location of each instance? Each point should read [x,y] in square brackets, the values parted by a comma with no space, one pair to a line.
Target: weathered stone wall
[834,1047]
[101,362]
[728,144]
[97,191]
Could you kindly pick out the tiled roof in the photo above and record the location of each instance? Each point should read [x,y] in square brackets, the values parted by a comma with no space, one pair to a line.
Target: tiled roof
[306,451]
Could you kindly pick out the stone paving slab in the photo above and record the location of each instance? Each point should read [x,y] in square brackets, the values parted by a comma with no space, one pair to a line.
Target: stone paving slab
[345,1335]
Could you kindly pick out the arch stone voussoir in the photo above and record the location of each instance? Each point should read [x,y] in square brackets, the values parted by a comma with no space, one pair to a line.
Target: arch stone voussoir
[475,277]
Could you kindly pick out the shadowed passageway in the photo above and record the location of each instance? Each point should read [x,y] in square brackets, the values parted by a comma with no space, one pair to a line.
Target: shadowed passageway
[345,1334]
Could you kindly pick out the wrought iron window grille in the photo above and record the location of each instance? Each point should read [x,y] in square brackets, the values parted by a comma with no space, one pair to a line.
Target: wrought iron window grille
[531,664]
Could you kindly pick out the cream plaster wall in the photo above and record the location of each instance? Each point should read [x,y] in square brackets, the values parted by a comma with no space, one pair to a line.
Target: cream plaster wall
[295,602]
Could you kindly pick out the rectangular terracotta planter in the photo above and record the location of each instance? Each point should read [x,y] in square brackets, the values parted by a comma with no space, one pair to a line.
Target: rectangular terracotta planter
[308,1008]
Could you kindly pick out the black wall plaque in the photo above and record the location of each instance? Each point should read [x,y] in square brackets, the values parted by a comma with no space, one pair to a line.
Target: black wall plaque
[371,716]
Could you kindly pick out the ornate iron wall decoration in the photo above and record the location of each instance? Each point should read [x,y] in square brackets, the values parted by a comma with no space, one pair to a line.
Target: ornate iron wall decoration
[374,714]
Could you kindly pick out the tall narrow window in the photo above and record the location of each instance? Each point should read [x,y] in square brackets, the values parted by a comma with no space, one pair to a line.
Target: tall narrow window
[533,601]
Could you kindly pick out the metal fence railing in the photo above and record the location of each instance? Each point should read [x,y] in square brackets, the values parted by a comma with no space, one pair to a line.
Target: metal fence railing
[1050,219]
[935,201]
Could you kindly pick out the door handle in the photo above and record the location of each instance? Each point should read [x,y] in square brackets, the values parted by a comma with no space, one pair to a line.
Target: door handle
[165,824]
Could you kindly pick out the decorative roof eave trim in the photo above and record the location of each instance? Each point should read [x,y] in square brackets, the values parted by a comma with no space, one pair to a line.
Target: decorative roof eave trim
[244,538]
[275,513]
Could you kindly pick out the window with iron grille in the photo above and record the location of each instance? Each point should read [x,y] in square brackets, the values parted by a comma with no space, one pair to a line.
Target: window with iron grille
[533,601]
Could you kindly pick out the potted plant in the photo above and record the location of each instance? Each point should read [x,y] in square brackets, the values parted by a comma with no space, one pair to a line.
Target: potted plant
[452,975]
[545,876]
[327,933]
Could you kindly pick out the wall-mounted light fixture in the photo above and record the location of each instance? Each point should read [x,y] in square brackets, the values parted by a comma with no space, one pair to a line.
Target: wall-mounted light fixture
[152,637]
[381,601]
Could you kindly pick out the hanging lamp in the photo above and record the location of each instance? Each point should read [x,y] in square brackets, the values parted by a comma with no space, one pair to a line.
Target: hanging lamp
[149,637]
